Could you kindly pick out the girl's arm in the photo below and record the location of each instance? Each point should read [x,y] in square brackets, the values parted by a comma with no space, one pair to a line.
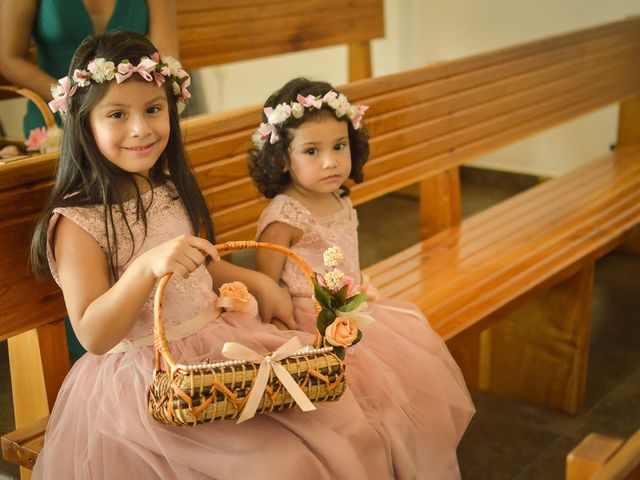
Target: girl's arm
[162,26]
[270,262]
[16,20]
[101,314]
[274,303]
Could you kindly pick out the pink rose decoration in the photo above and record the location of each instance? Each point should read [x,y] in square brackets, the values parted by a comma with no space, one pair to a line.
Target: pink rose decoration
[234,297]
[353,288]
[342,332]
[37,136]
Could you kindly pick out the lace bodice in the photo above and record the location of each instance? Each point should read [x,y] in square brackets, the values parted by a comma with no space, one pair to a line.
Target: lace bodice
[166,219]
[319,233]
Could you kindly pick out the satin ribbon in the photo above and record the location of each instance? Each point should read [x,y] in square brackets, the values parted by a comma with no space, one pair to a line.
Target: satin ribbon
[174,333]
[125,70]
[309,101]
[236,351]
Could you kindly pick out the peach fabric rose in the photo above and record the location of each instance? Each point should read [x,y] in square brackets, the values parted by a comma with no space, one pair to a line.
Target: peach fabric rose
[234,297]
[342,332]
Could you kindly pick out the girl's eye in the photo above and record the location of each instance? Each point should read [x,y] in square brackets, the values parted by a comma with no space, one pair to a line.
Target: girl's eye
[311,151]
[340,146]
[116,115]
[154,109]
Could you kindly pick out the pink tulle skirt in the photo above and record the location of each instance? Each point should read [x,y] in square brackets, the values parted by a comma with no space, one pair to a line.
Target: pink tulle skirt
[401,417]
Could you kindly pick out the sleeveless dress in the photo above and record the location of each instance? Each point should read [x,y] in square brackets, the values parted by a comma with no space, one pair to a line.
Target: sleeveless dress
[60,26]
[401,373]
[100,427]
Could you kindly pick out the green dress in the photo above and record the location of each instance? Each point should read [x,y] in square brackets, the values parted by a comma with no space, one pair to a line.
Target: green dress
[58,29]
[60,26]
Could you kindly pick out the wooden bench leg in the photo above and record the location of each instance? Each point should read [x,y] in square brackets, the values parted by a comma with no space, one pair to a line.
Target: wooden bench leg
[440,205]
[537,354]
[590,455]
[37,371]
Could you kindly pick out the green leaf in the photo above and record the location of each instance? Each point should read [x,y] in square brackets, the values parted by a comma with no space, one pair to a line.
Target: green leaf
[341,296]
[354,302]
[322,296]
[325,318]
[358,338]
[339,351]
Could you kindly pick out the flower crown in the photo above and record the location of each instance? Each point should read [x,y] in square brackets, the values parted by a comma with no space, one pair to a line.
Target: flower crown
[276,117]
[99,70]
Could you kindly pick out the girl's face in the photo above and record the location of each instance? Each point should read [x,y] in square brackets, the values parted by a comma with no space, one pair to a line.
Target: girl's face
[320,156]
[130,125]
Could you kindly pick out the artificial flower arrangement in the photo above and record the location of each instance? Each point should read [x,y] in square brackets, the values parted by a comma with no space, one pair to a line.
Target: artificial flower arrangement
[44,140]
[341,308]
[249,382]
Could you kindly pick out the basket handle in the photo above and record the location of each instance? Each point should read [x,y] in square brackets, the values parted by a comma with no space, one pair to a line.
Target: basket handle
[49,119]
[161,345]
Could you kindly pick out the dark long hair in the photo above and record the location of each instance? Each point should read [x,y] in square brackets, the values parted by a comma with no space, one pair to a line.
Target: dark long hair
[84,177]
[266,164]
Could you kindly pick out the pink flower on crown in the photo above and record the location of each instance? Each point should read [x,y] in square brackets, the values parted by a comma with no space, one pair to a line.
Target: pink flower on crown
[330,95]
[268,130]
[61,94]
[159,78]
[81,77]
[309,101]
[356,113]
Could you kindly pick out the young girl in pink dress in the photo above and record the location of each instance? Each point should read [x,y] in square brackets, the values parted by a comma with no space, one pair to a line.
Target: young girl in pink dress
[310,142]
[125,210]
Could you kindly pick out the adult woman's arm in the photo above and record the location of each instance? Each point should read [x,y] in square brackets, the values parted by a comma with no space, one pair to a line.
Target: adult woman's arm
[163,31]
[16,21]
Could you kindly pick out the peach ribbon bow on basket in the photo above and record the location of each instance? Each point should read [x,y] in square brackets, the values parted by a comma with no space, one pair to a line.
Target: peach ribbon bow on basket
[268,363]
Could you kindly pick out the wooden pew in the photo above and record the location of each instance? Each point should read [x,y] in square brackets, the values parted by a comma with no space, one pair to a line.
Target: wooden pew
[600,457]
[524,267]
[225,31]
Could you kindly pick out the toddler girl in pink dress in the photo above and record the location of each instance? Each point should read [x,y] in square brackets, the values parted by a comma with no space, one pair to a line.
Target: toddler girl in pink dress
[410,389]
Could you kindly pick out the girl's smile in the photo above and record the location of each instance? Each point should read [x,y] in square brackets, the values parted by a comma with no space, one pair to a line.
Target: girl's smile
[142,150]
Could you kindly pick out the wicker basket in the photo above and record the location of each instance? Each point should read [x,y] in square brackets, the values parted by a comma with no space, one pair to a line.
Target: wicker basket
[192,394]
[49,120]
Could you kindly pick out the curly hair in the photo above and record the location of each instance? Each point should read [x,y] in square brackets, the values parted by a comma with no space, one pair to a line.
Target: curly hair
[267,164]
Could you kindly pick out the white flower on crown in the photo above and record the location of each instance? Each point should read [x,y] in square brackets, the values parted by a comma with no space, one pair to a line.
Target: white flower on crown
[297,110]
[342,106]
[101,70]
[278,115]
[174,65]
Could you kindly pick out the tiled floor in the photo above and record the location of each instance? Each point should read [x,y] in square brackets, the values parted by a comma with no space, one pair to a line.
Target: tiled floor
[508,440]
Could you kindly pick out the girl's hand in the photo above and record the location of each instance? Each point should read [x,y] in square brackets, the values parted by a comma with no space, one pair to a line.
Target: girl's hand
[275,305]
[180,256]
